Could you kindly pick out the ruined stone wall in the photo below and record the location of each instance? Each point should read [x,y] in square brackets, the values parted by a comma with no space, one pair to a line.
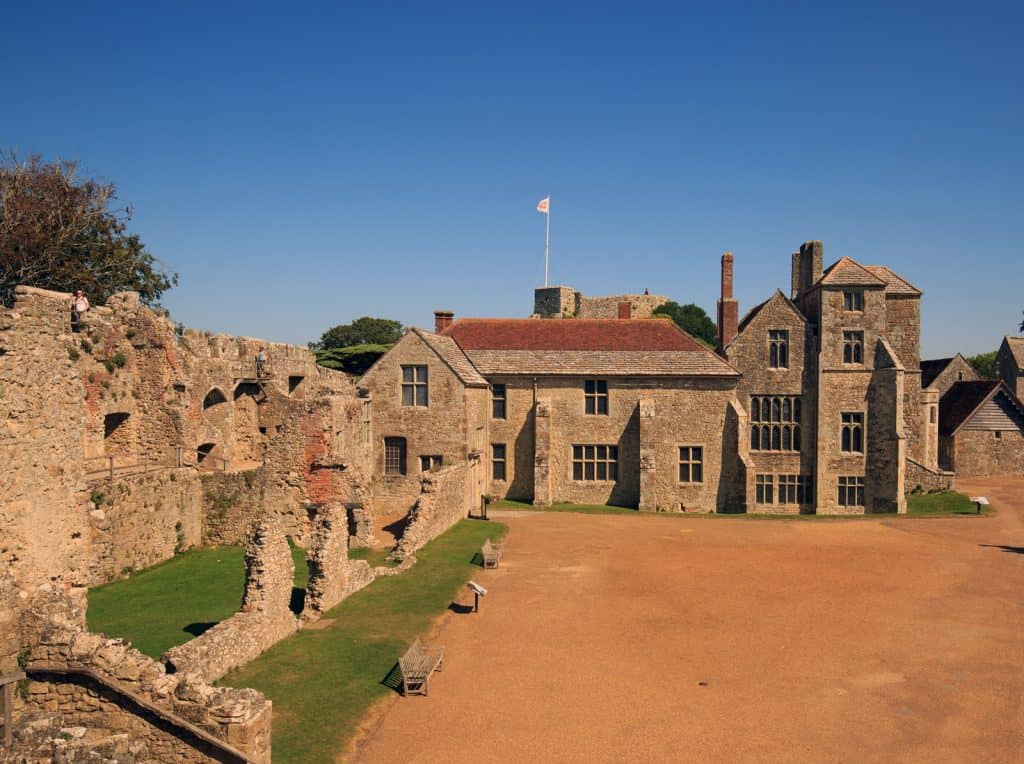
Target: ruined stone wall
[232,502]
[332,576]
[265,617]
[109,688]
[979,453]
[125,387]
[141,520]
[446,497]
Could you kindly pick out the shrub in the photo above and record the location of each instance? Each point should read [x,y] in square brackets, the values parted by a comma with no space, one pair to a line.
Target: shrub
[109,365]
[86,345]
[97,498]
[119,360]
[73,354]
[130,333]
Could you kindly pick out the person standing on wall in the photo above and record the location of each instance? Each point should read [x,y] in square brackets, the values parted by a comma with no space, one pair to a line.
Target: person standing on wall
[79,305]
[261,361]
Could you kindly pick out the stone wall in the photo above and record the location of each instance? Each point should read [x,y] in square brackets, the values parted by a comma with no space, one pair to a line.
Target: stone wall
[265,617]
[332,576]
[446,497]
[565,302]
[921,478]
[957,370]
[124,386]
[82,679]
[980,453]
[232,502]
[141,520]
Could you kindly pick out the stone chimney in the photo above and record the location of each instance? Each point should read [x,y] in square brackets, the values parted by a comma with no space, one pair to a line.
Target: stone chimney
[728,308]
[442,320]
[806,269]
[625,310]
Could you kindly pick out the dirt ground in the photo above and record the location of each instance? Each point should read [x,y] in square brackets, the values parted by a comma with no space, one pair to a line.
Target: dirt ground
[653,638]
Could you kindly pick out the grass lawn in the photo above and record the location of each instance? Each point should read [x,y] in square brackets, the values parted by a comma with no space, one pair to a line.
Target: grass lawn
[593,509]
[172,602]
[322,681]
[944,503]
[376,557]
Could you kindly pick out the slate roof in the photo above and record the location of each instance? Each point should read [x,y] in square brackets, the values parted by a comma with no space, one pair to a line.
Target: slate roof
[610,347]
[848,272]
[1016,345]
[932,369]
[962,400]
[894,283]
[452,354]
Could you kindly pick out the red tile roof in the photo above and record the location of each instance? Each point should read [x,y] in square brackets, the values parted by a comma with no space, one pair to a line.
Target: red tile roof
[570,334]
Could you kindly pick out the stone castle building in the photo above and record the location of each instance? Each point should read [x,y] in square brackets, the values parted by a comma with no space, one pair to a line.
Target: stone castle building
[814,403]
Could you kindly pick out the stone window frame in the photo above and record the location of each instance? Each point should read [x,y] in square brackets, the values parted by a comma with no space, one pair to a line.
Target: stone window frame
[851,490]
[590,460]
[395,450]
[415,385]
[595,397]
[499,402]
[431,462]
[853,347]
[852,432]
[795,489]
[775,423]
[764,488]
[778,349]
[853,300]
[499,462]
[691,463]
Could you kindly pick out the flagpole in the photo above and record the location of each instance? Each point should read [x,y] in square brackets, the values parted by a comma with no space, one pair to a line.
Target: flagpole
[547,241]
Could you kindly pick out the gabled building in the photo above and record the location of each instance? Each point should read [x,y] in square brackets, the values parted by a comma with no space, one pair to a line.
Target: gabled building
[981,429]
[1010,362]
[942,373]
[813,403]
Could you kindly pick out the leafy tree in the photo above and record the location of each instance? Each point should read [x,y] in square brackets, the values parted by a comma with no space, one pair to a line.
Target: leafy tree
[352,360]
[691,319]
[62,233]
[985,365]
[362,331]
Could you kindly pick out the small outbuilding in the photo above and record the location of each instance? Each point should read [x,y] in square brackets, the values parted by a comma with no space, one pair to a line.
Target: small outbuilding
[981,430]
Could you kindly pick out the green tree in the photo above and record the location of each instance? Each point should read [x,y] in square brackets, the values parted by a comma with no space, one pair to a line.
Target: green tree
[62,233]
[985,364]
[351,360]
[362,331]
[691,319]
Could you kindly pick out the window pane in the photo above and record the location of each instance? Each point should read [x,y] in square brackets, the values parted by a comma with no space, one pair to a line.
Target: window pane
[602,471]
[498,450]
[613,452]
[577,470]
[591,406]
[407,373]
[755,409]
[589,386]
[406,395]
[588,452]
[588,470]
[602,386]
[601,452]
[602,405]
[421,395]
[697,471]
[773,355]
[755,440]
[613,471]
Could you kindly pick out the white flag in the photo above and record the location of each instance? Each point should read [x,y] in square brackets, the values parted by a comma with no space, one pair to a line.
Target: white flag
[544,204]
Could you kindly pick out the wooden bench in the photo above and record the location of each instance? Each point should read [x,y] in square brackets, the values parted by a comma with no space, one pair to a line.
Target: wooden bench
[491,554]
[416,665]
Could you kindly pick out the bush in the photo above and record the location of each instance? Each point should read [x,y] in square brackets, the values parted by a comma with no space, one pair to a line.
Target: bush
[73,354]
[119,360]
[86,345]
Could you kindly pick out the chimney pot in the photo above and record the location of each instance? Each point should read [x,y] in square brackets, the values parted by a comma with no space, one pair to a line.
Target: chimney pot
[442,320]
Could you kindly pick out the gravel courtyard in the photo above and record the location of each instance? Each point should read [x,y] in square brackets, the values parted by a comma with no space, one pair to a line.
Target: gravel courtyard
[653,638]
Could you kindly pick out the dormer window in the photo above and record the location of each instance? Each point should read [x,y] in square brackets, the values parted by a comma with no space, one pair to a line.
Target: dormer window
[853,299]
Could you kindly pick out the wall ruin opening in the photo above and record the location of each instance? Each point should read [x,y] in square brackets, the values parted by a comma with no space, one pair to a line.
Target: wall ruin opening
[213,398]
[116,433]
[204,451]
[293,384]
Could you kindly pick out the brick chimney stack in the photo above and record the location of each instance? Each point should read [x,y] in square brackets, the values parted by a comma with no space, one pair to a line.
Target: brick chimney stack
[728,308]
[442,320]
[625,310]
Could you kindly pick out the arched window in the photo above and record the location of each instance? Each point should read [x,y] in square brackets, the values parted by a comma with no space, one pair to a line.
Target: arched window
[755,438]
[214,397]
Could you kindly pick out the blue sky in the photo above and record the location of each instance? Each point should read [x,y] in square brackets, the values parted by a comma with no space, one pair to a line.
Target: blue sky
[303,166]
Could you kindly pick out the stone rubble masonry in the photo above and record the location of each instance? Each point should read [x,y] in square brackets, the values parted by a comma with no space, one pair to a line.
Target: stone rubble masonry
[264,619]
[52,627]
[332,576]
[565,302]
[126,387]
[920,478]
[445,498]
